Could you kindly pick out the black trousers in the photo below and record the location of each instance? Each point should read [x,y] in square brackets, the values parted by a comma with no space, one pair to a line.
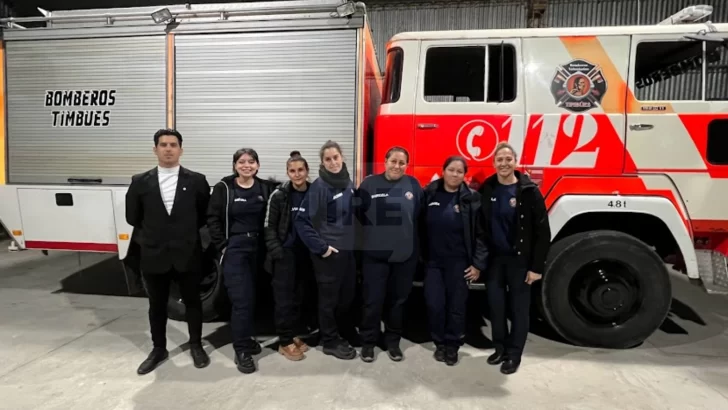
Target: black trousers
[507,288]
[336,280]
[157,286]
[386,288]
[240,267]
[446,296]
[294,288]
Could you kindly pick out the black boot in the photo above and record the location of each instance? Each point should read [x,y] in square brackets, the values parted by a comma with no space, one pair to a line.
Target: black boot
[155,358]
[199,356]
[451,356]
[367,354]
[245,363]
[395,353]
[440,353]
[341,350]
[497,358]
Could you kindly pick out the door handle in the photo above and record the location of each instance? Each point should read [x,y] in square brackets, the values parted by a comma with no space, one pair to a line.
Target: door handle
[427,126]
[641,127]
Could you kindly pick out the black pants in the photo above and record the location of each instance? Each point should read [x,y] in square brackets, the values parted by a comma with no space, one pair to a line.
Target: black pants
[336,280]
[446,296]
[157,286]
[294,287]
[240,267]
[507,288]
[386,287]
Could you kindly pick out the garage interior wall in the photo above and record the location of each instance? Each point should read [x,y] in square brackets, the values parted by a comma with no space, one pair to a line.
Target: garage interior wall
[6,11]
[389,17]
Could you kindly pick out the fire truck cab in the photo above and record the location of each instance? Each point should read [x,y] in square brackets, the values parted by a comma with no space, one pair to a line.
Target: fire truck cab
[625,129]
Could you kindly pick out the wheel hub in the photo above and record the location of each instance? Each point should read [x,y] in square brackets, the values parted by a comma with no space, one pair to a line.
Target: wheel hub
[605,293]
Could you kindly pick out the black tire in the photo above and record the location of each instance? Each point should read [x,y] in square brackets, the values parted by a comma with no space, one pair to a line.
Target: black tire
[215,302]
[605,289]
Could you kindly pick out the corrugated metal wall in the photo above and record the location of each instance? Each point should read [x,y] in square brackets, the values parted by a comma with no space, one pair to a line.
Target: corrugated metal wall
[6,10]
[389,17]
[585,13]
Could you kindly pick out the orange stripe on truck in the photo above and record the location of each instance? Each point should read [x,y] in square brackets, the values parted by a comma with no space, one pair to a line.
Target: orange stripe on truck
[621,98]
[3,128]
[591,49]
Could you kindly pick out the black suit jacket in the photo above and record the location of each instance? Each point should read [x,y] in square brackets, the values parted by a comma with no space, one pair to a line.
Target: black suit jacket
[168,241]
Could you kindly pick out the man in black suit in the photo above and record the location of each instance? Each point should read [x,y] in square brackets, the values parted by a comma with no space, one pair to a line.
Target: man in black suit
[167,207]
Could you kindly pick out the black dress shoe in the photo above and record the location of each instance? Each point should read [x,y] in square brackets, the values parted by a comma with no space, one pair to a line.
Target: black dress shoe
[497,358]
[451,356]
[245,363]
[440,354]
[199,356]
[155,358]
[395,353]
[509,366]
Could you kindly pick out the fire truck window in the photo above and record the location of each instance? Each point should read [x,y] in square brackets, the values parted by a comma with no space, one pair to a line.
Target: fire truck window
[501,73]
[393,76]
[716,75]
[717,150]
[455,74]
[669,70]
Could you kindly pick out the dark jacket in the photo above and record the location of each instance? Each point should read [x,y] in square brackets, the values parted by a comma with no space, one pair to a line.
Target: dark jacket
[532,233]
[388,213]
[470,204]
[278,222]
[166,241]
[218,212]
[326,218]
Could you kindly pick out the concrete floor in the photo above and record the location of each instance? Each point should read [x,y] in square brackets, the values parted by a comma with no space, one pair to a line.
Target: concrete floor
[67,343]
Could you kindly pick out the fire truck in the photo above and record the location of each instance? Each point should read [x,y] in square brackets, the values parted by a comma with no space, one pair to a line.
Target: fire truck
[623,128]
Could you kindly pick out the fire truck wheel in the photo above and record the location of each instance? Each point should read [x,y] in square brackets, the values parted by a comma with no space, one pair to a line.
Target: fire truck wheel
[605,289]
[215,303]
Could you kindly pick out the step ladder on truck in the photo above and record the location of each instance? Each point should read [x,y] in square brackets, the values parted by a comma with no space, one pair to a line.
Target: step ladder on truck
[623,128]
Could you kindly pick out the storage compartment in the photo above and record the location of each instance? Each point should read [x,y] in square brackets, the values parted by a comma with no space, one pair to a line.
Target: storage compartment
[68,219]
[84,110]
[274,92]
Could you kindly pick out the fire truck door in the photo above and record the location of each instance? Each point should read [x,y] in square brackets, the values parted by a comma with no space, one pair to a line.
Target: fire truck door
[679,118]
[673,91]
[468,99]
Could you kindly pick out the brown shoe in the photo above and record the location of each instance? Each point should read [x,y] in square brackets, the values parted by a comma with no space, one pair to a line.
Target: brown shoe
[300,344]
[291,352]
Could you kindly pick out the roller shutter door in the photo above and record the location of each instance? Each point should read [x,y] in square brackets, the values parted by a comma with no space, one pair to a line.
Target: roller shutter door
[84,108]
[274,92]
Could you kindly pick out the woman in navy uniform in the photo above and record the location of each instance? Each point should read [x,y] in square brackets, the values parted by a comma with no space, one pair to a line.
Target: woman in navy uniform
[325,224]
[454,255]
[516,229]
[288,259]
[235,217]
[390,204]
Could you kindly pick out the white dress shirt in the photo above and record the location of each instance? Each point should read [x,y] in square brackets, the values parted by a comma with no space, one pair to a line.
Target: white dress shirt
[168,185]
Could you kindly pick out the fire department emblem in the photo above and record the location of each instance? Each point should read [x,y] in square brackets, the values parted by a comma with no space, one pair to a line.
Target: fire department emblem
[578,86]
[408,195]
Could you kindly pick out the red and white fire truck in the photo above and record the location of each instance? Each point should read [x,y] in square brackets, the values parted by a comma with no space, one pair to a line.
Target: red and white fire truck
[624,128]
